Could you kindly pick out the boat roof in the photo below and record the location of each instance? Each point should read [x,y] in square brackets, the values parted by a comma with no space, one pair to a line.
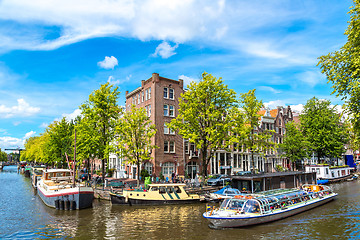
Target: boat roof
[56,170]
[221,191]
[166,184]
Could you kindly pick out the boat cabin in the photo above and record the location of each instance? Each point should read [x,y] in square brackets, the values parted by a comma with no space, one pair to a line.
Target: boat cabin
[251,183]
[325,171]
[269,201]
[57,175]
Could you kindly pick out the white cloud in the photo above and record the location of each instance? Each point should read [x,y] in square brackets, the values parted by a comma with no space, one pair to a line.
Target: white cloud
[187,80]
[108,62]
[12,142]
[29,134]
[165,50]
[23,109]
[70,116]
[297,108]
[311,78]
[269,89]
[114,81]
[274,104]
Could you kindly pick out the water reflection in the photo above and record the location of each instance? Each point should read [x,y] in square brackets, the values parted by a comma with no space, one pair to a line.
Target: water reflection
[23,215]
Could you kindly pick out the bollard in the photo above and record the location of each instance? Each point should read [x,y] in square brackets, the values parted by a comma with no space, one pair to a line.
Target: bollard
[57,204]
[61,205]
[67,205]
[72,205]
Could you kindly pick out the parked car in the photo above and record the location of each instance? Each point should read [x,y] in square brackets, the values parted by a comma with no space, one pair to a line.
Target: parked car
[218,180]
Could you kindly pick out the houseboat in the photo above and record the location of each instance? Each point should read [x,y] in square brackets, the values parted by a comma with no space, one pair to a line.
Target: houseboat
[329,174]
[57,189]
[267,206]
[157,194]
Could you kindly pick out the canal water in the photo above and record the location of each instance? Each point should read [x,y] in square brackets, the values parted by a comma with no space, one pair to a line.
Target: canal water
[24,216]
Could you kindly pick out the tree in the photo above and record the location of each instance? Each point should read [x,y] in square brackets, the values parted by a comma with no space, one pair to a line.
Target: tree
[204,116]
[134,133]
[36,150]
[3,156]
[100,113]
[60,141]
[253,138]
[342,67]
[321,125]
[295,145]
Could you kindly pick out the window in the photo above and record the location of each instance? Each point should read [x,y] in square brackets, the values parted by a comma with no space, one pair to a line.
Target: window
[139,98]
[146,94]
[148,110]
[169,146]
[148,167]
[166,110]
[142,96]
[150,93]
[166,146]
[186,146]
[171,93]
[165,92]
[168,130]
[168,93]
[168,168]
[171,111]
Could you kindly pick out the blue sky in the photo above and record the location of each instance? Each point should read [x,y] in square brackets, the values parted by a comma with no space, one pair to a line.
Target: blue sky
[53,54]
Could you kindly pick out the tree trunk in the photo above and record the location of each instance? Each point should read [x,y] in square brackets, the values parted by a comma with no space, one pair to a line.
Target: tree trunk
[138,173]
[103,170]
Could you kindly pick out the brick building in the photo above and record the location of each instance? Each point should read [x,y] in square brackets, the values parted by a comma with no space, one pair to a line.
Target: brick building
[160,96]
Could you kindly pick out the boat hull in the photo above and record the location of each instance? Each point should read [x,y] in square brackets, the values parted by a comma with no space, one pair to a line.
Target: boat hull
[119,199]
[82,197]
[233,222]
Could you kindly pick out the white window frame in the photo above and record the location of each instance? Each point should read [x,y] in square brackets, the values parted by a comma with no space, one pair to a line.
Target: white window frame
[171,147]
[166,110]
[149,92]
[166,146]
[166,129]
[171,93]
[166,92]
[171,111]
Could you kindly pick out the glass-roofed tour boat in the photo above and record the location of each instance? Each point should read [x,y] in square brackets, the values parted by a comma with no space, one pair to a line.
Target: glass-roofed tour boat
[267,206]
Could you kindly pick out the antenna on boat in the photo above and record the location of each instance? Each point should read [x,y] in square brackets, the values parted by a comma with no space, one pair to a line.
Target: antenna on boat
[74,160]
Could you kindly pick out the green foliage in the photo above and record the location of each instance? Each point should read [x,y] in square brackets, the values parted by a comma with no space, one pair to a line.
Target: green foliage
[342,67]
[295,145]
[321,125]
[256,141]
[97,128]
[144,173]
[3,156]
[204,116]
[279,168]
[134,132]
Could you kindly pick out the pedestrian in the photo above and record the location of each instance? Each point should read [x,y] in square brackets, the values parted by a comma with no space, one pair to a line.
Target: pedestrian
[173,176]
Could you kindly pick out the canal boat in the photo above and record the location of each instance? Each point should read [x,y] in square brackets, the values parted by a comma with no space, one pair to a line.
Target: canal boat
[57,189]
[35,174]
[157,194]
[267,206]
[330,174]
[224,193]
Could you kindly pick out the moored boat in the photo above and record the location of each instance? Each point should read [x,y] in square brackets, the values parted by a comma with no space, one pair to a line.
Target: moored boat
[267,206]
[224,193]
[157,194]
[57,189]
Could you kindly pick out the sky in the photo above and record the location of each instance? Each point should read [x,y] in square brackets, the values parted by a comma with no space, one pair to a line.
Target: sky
[53,54]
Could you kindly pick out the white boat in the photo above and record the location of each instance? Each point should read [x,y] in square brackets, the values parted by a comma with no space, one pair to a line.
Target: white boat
[57,189]
[224,193]
[267,206]
[35,174]
[325,172]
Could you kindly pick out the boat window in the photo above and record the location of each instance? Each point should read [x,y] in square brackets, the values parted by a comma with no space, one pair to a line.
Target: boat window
[177,189]
[252,206]
[236,204]
[162,190]
[154,189]
[170,190]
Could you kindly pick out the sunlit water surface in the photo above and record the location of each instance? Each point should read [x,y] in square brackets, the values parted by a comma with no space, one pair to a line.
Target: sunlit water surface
[24,216]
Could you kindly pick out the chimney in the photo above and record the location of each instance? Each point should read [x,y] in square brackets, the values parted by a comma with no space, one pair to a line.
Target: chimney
[155,77]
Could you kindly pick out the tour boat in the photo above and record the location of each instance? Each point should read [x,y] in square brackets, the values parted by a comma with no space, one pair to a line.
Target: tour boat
[224,193]
[157,194]
[58,190]
[267,206]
